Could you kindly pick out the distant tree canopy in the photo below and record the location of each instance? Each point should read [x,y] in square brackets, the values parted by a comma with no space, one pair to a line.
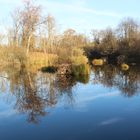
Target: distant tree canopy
[32,31]
[123,40]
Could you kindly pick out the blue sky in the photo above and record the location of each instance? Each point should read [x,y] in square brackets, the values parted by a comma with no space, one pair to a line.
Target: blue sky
[82,15]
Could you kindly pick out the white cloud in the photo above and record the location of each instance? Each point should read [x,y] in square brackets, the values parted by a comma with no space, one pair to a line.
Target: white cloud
[78,7]
[111,121]
[91,98]
[72,14]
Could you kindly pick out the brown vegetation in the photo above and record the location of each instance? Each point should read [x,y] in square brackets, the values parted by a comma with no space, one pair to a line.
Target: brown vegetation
[33,41]
[97,62]
[113,43]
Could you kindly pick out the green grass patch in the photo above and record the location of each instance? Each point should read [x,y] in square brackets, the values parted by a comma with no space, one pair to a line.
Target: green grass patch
[83,69]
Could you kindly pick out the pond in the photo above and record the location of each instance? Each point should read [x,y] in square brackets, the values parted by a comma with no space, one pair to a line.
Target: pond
[101,106]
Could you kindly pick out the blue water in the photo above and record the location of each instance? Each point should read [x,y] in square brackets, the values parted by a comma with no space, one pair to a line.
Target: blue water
[83,111]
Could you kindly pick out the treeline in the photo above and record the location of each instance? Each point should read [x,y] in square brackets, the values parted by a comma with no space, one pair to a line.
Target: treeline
[117,45]
[33,32]
[34,37]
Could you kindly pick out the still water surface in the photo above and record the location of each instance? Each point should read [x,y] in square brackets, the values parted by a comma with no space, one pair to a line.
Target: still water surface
[104,105]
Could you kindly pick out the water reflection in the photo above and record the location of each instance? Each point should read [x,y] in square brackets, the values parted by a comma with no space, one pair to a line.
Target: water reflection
[25,87]
[128,82]
[36,92]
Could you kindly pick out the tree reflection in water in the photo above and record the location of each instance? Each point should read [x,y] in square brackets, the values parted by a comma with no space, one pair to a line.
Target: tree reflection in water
[128,82]
[36,92]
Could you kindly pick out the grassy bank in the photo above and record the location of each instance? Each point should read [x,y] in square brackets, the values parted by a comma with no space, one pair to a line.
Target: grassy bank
[35,60]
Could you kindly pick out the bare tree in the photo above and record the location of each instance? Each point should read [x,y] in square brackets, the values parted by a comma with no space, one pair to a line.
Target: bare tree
[96,36]
[51,28]
[30,20]
[25,23]
[128,29]
[16,18]
[109,41]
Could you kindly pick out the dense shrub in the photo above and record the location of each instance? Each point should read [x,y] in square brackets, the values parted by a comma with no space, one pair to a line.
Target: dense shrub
[83,69]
